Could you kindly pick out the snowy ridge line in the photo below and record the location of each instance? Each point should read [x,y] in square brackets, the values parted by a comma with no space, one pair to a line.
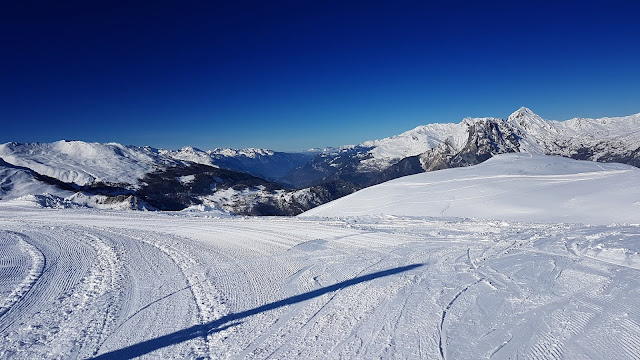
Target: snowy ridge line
[535,134]
[84,163]
[38,264]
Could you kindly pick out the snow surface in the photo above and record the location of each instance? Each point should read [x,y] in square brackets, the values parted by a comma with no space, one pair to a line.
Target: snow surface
[85,163]
[520,187]
[18,182]
[85,283]
[419,140]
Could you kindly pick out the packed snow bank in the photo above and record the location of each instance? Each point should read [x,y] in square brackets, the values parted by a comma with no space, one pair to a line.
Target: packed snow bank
[519,187]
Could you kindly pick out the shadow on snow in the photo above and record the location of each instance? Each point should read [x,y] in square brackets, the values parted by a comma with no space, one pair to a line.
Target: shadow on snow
[230,320]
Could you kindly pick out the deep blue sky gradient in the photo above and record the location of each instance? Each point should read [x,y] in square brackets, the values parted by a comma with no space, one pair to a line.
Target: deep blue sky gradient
[291,75]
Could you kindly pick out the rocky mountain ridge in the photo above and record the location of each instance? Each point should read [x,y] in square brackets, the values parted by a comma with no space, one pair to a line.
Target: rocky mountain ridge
[265,182]
[474,140]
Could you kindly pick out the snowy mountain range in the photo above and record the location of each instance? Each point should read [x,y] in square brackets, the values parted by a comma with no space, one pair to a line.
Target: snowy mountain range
[115,176]
[265,182]
[472,141]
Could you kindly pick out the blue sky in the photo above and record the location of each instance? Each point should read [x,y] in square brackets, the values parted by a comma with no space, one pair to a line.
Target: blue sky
[291,75]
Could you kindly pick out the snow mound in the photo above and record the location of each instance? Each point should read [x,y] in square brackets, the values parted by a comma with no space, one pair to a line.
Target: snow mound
[521,187]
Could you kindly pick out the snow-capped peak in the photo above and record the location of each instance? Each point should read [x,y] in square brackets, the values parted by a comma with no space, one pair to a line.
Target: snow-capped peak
[526,119]
[530,124]
[523,111]
[190,150]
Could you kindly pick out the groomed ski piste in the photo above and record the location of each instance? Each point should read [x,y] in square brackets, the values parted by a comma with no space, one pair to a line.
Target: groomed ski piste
[86,283]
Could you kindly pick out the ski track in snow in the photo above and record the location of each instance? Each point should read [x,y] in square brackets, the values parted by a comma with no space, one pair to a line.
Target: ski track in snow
[85,283]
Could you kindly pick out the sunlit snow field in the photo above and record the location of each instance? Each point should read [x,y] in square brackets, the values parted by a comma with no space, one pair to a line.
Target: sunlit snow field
[82,283]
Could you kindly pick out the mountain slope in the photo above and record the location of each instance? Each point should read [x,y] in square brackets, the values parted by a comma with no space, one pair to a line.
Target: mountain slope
[474,140]
[267,164]
[520,187]
[82,163]
[17,181]
[233,179]
[73,174]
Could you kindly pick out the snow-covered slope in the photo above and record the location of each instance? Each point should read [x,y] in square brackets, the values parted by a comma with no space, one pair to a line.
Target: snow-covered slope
[83,163]
[534,134]
[76,173]
[520,187]
[17,182]
[474,140]
[23,187]
[416,141]
[87,284]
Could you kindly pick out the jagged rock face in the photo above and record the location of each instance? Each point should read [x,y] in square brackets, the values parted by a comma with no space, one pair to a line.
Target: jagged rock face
[437,158]
[476,140]
[601,151]
[486,139]
[407,166]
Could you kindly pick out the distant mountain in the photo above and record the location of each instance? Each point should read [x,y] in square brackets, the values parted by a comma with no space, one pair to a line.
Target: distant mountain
[82,163]
[114,176]
[265,182]
[472,141]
